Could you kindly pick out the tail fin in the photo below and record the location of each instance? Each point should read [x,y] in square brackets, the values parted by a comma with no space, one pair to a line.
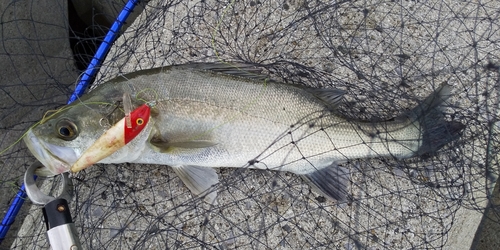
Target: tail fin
[437,132]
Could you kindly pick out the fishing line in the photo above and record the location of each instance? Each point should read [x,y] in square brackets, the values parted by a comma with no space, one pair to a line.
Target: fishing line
[155,100]
[47,117]
[77,83]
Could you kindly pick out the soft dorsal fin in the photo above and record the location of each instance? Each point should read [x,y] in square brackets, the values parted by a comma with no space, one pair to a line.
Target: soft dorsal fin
[330,97]
[232,68]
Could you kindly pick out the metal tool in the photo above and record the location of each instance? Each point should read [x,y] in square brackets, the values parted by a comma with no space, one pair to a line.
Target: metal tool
[61,231]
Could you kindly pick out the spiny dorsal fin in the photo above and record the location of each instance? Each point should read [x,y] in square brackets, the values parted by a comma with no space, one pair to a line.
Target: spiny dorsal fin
[232,68]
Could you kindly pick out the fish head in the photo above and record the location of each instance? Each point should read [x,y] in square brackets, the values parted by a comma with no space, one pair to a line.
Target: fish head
[61,138]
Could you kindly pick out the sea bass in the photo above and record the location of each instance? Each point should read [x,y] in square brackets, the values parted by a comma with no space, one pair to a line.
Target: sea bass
[216,115]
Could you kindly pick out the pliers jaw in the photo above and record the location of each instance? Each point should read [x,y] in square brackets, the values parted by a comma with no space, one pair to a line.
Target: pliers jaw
[38,197]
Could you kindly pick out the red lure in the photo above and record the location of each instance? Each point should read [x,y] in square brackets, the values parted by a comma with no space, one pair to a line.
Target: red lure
[139,118]
[115,137]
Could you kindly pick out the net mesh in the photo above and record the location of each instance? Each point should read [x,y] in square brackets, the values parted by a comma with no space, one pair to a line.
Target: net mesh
[387,55]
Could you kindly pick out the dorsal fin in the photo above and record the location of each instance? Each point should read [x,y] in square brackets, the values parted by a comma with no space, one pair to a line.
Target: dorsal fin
[330,97]
[232,68]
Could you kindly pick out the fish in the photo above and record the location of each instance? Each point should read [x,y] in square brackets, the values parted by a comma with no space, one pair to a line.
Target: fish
[211,115]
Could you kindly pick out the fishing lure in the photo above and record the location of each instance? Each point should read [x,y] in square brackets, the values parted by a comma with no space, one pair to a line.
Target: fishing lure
[115,137]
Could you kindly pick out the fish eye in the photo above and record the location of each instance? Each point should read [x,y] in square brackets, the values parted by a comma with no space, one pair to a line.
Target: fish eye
[66,130]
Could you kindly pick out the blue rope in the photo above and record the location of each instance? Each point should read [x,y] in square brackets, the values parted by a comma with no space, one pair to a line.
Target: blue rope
[86,79]
[102,51]
[11,214]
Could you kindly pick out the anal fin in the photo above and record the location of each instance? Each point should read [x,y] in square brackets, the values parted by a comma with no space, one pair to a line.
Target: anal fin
[199,180]
[330,181]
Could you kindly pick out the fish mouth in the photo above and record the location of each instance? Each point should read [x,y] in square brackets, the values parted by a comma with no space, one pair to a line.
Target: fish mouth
[56,159]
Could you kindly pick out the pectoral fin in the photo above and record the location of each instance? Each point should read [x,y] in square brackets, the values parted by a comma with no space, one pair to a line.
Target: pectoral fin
[199,180]
[330,182]
[192,144]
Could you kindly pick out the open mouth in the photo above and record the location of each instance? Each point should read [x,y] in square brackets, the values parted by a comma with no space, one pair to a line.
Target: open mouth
[51,156]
